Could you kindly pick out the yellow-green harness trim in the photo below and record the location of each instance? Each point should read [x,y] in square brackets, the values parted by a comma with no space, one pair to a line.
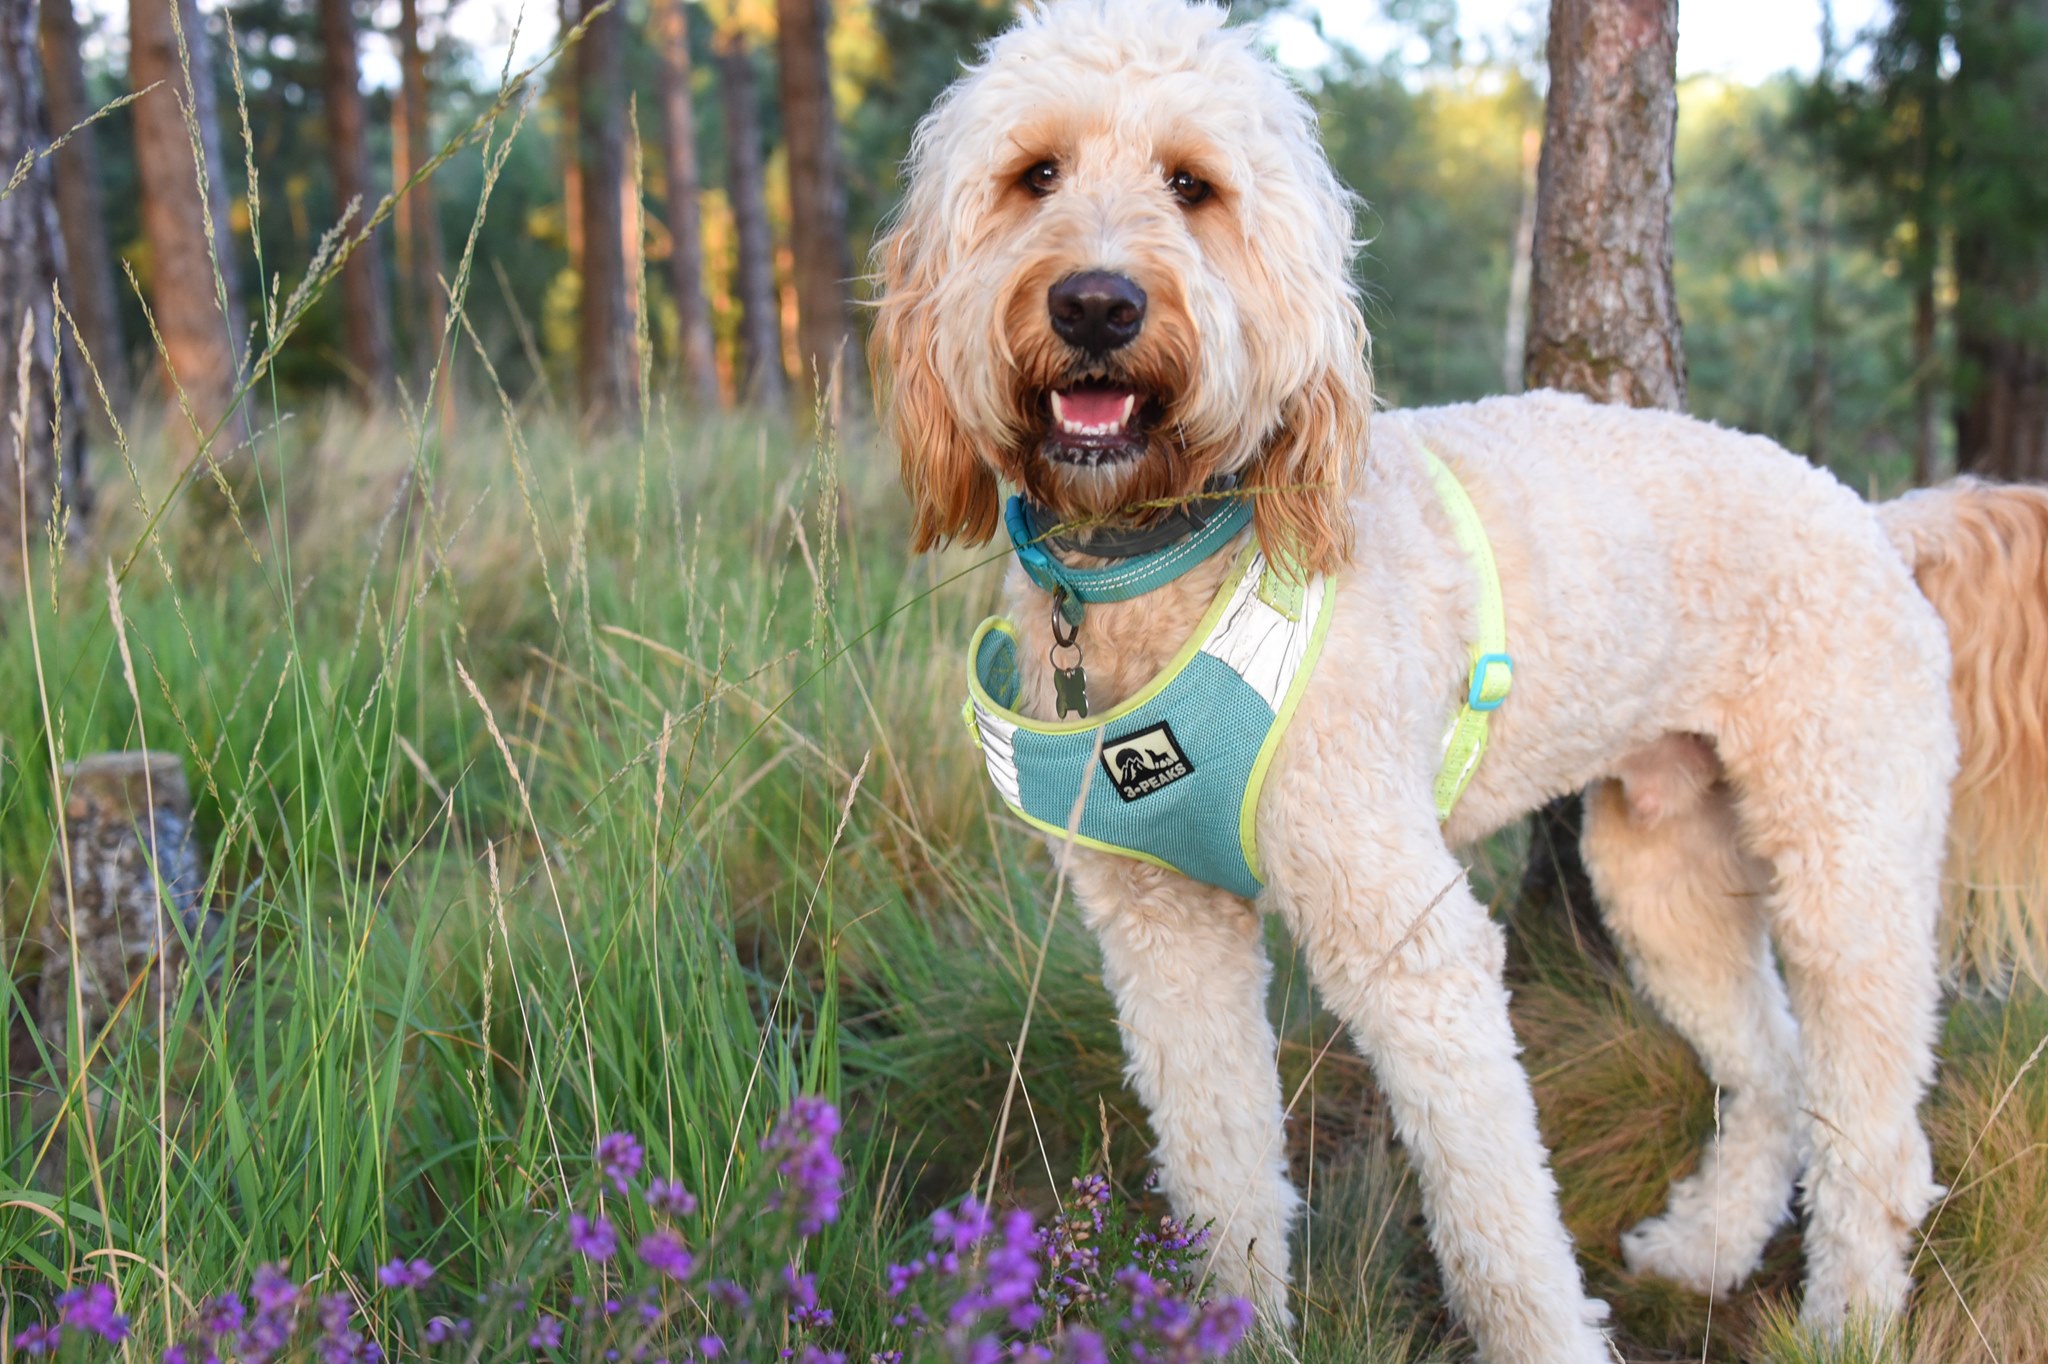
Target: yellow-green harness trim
[1492,672]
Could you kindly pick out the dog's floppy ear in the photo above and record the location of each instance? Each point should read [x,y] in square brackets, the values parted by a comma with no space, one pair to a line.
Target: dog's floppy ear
[1303,480]
[953,494]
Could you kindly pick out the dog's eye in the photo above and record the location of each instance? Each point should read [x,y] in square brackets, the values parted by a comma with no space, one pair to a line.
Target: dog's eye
[1188,188]
[1041,178]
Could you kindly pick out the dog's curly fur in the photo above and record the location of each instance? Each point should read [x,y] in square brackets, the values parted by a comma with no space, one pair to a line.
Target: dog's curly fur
[1722,645]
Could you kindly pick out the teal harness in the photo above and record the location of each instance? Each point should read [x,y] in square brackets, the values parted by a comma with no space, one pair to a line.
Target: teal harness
[1173,775]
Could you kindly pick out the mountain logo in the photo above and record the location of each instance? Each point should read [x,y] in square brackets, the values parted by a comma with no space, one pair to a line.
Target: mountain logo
[1147,761]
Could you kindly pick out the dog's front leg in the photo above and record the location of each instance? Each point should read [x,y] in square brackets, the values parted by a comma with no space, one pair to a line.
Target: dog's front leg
[1187,965]
[1406,956]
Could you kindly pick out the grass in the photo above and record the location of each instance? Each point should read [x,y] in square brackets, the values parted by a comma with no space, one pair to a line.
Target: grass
[557,784]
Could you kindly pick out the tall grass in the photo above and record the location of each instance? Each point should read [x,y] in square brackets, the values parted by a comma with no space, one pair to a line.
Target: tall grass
[557,783]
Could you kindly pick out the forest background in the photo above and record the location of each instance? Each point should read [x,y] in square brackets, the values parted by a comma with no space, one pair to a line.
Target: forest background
[566,743]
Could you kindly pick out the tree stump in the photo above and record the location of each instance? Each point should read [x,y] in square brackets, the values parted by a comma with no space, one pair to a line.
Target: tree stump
[134,864]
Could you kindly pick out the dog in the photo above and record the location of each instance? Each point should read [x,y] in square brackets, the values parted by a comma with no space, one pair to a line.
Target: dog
[1745,667]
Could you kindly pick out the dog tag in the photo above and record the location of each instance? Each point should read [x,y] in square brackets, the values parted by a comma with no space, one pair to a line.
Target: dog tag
[1070,689]
[1069,685]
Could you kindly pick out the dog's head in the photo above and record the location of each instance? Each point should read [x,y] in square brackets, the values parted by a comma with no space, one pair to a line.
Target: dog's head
[1121,269]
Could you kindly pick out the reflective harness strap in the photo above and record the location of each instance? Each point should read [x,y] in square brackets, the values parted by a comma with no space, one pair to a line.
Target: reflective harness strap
[1493,671]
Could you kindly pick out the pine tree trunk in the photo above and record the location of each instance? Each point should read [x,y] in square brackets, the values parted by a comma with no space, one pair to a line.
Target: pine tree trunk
[200,339]
[817,191]
[759,375]
[418,221]
[1604,314]
[607,371]
[685,221]
[366,321]
[1926,377]
[33,472]
[90,291]
[571,150]
[1603,309]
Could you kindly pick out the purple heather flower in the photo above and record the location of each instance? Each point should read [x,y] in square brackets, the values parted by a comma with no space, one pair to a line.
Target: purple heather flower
[711,1347]
[803,1139]
[223,1315]
[960,1230]
[886,1357]
[176,1354]
[91,1309]
[440,1330]
[39,1339]
[272,1291]
[403,1273]
[1221,1326]
[592,1237]
[620,1155]
[729,1294]
[1083,1346]
[547,1333]
[802,1288]
[665,1253]
[669,1197]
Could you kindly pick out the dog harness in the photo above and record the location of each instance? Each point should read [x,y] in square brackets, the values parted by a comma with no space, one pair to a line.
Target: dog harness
[1173,775]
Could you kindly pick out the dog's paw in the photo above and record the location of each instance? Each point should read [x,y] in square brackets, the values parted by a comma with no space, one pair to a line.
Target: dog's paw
[1674,1247]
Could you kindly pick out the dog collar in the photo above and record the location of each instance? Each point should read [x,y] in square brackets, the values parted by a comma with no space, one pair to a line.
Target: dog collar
[1134,574]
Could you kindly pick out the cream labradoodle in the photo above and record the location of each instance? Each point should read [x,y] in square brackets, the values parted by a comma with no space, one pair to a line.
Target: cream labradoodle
[1723,645]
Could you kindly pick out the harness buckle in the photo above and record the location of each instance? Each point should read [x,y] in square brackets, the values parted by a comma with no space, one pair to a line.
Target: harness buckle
[1489,688]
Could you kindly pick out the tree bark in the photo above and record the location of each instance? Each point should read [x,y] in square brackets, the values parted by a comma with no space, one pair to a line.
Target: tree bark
[817,191]
[34,395]
[760,377]
[366,321]
[417,220]
[695,345]
[1926,374]
[608,374]
[1604,314]
[571,151]
[131,899]
[1604,311]
[89,290]
[194,286]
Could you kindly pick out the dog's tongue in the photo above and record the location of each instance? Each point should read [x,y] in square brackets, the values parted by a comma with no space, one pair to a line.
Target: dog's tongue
[1094,406]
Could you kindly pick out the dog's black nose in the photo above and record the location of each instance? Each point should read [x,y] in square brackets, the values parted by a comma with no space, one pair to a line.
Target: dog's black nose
[1096,311]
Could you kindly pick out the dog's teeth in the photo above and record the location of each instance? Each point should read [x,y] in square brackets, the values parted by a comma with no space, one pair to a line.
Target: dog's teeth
[1059,409]
[1130,403]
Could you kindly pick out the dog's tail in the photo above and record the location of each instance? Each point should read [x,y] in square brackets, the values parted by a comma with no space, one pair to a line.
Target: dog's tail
[1980,553]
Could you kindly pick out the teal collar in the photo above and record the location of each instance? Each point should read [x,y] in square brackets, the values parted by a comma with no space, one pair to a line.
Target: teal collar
[1133,576]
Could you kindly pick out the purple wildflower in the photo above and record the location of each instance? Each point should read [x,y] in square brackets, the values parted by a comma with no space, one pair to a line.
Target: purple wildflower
[403,1273]
[273,1291]
[39,1339]
[176,1354]
[1222,1326]
[803,1139]
[711,1347]
[670,1198]
[547,1333]
[592,1237]
[91,1309]
[620,1155]
[222,1316]
[665,1253]
[802,1288]
[1084,1347]
[440,1330]
[728,1294]
[960,1230]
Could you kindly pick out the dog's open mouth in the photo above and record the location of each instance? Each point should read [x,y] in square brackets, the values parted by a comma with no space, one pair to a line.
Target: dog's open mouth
[1098,421]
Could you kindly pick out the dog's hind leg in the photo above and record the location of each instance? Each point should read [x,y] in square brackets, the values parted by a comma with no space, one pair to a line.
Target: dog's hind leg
[1187,965]
[1848,805]
[1687,907]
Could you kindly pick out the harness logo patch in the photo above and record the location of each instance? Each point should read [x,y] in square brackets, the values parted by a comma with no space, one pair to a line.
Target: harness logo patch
[1150,760]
